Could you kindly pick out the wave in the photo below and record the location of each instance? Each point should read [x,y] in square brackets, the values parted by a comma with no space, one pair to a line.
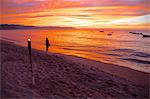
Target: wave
[112,54]
[7,39]
[136,60]
[141,54]
[107,39]
[124,50]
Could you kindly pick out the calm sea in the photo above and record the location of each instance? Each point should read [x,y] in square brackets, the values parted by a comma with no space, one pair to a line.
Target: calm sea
[121,48]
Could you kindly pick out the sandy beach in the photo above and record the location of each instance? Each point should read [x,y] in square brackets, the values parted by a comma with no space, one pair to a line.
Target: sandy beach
[60,76]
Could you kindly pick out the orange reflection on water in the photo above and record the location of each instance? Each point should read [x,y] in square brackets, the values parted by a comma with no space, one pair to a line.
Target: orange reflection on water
[91,44]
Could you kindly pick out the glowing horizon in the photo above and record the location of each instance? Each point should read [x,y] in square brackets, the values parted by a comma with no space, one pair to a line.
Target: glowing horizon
[77,13]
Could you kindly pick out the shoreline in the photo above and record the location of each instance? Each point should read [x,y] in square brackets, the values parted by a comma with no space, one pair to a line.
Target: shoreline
[75,66]
[138,77]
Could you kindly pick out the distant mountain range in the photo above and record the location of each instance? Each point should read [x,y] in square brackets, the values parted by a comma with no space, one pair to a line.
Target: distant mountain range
[15,26]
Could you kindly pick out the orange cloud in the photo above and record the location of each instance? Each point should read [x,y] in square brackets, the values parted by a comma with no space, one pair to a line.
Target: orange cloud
[75,13]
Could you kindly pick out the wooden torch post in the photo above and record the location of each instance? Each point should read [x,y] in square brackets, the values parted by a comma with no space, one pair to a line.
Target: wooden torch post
[29,48]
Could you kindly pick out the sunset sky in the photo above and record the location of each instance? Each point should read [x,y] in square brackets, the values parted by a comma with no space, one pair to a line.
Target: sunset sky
[77,13]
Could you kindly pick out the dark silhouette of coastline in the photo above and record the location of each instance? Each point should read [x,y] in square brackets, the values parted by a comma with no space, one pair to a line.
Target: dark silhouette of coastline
[13,26]
[16,26]
[146,35]
[140,34]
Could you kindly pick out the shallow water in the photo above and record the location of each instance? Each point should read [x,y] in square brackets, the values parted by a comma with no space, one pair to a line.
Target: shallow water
[121,48]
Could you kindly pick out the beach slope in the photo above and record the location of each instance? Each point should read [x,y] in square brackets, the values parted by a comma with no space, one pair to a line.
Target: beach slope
[60,76]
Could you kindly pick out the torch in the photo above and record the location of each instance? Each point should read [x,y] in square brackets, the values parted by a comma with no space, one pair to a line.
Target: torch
[29,48]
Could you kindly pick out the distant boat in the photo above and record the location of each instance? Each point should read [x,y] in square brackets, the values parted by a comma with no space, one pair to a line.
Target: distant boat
[101,31]
[146,35]
[109,34]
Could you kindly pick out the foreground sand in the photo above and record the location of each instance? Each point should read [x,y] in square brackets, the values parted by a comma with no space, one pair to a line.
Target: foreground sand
[59,76]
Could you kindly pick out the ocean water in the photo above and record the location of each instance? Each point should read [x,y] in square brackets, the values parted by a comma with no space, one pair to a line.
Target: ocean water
[121,48]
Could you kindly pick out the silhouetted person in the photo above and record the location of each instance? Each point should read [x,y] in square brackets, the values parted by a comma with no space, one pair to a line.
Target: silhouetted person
[47,44]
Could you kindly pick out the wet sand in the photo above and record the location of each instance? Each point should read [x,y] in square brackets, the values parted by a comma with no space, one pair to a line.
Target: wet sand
[61,76]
